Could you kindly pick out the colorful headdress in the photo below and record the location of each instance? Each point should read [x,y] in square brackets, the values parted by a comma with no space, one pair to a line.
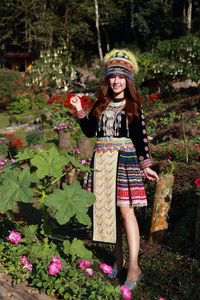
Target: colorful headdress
[120,61]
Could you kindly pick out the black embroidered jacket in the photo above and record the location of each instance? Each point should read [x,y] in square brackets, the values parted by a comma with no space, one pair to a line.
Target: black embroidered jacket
[135,130]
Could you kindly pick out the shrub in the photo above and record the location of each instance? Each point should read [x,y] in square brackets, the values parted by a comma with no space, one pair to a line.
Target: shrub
[54,69]
[19,106]
[10,81]
[3,148]
[17,119]
[34,137]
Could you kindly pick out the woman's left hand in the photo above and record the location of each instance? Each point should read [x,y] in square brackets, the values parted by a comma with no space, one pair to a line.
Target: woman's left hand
[150,174]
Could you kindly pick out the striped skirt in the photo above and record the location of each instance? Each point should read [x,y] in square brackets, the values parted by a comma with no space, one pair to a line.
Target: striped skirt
[116,181]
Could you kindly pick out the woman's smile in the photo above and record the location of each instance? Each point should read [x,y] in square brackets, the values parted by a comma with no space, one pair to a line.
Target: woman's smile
[118,85]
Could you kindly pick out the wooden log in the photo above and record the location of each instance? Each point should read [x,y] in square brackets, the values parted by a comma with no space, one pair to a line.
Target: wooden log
[161,205]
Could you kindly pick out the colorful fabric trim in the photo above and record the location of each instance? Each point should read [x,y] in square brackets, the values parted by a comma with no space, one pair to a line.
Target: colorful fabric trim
[81,114]
[130,189]
[123,60]
[119,71]
[145,163]
[112,144]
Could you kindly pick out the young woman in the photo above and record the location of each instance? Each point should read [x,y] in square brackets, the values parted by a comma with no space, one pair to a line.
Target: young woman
[120,153]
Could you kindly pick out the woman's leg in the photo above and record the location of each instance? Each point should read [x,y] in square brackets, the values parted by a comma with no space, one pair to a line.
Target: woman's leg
[133,240]
[119,261]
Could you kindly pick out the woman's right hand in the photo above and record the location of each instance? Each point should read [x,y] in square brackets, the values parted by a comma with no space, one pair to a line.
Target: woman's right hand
[76,102]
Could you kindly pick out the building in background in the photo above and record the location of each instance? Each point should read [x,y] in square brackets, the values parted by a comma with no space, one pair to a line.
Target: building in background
[17,61]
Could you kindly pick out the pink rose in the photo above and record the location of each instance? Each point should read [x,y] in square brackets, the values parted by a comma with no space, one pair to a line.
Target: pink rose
[106,269]
[14,237]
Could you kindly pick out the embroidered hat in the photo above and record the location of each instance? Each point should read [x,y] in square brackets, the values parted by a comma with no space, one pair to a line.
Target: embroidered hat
[120,61]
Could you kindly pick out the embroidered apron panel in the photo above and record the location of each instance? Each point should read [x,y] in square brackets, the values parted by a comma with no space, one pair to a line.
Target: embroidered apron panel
[104,211]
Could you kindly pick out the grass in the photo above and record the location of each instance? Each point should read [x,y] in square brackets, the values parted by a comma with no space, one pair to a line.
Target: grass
[4,119]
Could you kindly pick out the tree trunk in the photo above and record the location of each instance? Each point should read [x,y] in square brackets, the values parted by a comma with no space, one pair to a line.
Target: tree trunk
[189,15]
[64,139]
[184,13]
[106,35]
[131,11]
[98,30]
[67,21]
[161,206]
[132,25]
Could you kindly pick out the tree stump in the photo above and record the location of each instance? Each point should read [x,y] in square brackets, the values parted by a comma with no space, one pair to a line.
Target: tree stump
[84,146]
[64,139]
[161,206]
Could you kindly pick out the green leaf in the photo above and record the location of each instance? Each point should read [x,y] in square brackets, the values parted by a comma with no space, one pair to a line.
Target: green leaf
[76,249]
[49,163]
[27,154]
[76,164]
[30,230]
[67,246]
[72,200]
[44,252]
[16,187]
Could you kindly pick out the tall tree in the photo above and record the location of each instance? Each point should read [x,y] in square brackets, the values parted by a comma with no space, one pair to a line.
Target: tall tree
[98,29]
[189,15]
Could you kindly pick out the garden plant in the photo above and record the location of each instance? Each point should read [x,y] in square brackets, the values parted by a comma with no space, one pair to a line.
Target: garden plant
[45,221]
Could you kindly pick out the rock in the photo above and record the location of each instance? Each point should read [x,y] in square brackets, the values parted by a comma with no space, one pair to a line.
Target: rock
[31,127]
[20,291]
[37,147]
[86,75]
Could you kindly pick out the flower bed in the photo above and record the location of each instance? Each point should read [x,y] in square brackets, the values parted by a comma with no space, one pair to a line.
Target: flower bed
[176,150]
[86,101]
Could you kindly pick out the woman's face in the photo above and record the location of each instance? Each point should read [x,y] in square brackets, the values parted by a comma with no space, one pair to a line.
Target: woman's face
[117,85]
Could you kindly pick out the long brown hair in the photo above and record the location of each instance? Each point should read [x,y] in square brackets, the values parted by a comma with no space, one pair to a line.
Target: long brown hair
[105,96]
